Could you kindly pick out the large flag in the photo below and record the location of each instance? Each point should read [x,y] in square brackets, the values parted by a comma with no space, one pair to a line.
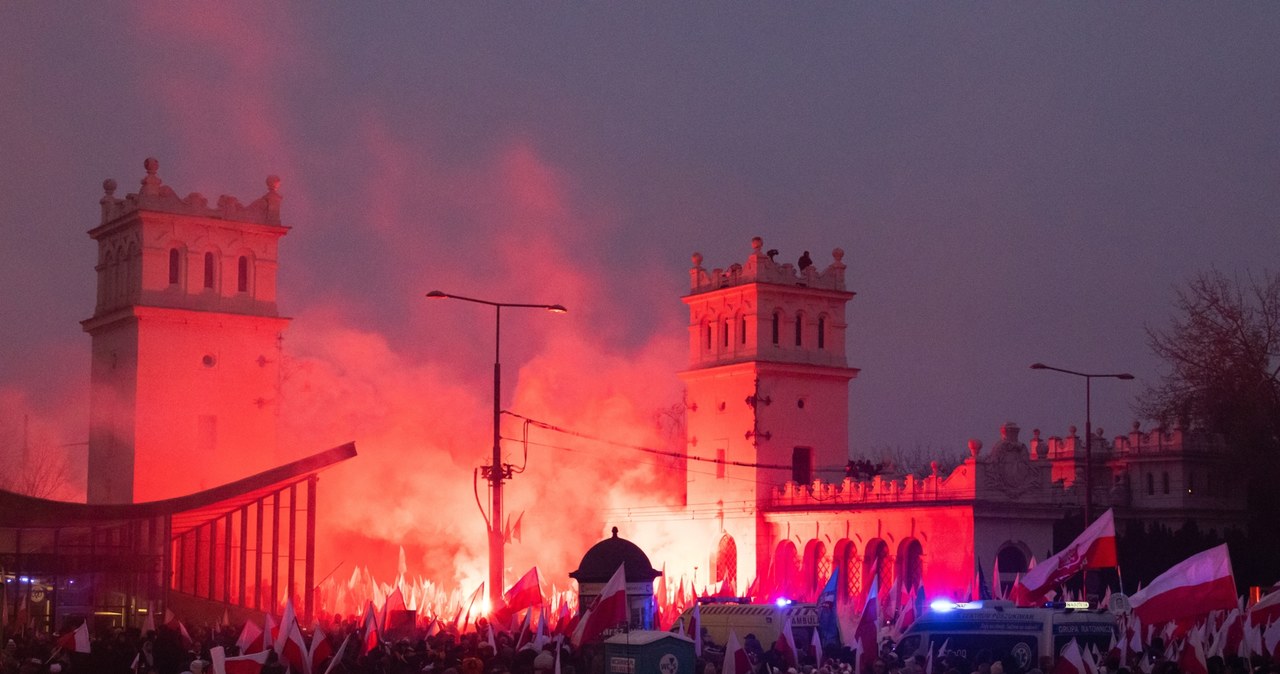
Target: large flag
[1071,659]
[337,657]
[828,626]
[242,664]
[865,641]
[786,644]
[525,593]
[293,649]
[250,640]
[319,651]
[1194,586]
[370,628]
[1266,611]
[816,644]
[735,657]
[608,611]
[77,640]
[1094,548]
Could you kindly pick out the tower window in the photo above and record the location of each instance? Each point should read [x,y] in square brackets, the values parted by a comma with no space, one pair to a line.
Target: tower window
[708,339]
[822,332]
[725,336]
[1151,484]
[802,465]
[208,270]
[799,329]
[720,463]
[1165,481]
[242,274]
[743,331]
[776,319]
[175,260]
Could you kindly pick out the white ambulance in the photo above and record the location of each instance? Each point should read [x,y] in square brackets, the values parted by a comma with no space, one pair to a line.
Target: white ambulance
[1018,637]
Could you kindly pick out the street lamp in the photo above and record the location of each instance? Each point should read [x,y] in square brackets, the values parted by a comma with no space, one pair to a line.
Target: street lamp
[497,471]
[1088,429]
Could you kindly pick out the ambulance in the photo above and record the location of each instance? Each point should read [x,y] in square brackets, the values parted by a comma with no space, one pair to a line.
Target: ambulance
[763,620]
[1018,637]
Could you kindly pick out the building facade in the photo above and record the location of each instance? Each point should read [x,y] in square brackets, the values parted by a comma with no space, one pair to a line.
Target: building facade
[767,398]
[186,342]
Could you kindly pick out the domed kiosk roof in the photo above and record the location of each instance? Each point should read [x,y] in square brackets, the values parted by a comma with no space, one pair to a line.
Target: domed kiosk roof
[602,560]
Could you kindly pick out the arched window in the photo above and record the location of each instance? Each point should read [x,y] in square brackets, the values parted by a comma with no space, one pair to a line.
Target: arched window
[845,561]
[911,565]
[875,565]
[242,274]
[799,328]
[175,262]
[208,270]
[814,571]
[777,318]
[1165,480]
[785,563]
[742,325]
[1151,484]
[727,562]
[707,341]
[725,336]
[822,332]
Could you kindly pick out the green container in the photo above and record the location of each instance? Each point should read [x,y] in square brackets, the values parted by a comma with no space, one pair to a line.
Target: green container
[648,652]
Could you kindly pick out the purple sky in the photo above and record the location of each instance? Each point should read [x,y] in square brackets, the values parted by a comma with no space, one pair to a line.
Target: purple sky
[1012,182]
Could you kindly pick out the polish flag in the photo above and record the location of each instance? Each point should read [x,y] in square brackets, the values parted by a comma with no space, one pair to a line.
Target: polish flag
[242,664]
[735,657]
[906,616]
[816,644]
[525,593]
[77,640]
[608,611]
[250,640]
[695,629]
[319,651]
[865,635]
[1267,610]
[1191,658]
[337,657]
[293,649]
[786,644]
[287,621]
[1071,660]
[1271,640]
[1194,586]
[1094,548]
[370,628]
[269,629]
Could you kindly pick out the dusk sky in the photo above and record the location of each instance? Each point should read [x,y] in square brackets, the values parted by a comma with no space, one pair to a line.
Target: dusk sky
[1011,182]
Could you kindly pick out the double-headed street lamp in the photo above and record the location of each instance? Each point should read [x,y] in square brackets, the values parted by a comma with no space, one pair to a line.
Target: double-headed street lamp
[1088,429]
[497,471]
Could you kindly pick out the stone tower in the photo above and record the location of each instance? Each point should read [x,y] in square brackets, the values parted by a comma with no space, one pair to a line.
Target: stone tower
[186,342]
[767,384]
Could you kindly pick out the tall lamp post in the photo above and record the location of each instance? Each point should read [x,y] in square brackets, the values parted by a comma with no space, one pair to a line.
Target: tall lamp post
[497,471]
[1088,429]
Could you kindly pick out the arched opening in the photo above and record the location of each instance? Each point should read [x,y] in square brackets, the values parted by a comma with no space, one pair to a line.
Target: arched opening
[822,332]
[844,560]
[724,338]
[777,321]
[242,274]
[876,566]
[815,571]
[799,329]
[1013,560]
[208,270]
[727,562]
[910,565]
[742,330]
[785,571]
[175,264]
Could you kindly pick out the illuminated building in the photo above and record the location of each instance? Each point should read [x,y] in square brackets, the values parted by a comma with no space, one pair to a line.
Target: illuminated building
[767,399]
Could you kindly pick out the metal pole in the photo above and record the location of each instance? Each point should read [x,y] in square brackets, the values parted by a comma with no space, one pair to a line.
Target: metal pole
[1088,450]
[496,542]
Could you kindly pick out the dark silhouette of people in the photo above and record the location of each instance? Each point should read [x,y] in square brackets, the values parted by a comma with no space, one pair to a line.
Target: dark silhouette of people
[772,253]
[805,262]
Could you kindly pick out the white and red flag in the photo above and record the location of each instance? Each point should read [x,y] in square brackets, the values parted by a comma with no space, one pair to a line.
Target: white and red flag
[608,611]
[250,640]
[1266,611]
[337,657]
[293,649]
[241,664]
[1194,586]
[786,644]
[1191,658]
[695,629]
[865,641]
[1071,659]
[269,629]
[525,593]
[735,657]
[319,651]
[1094,548]
[370,628]
[77,640]
[816,644]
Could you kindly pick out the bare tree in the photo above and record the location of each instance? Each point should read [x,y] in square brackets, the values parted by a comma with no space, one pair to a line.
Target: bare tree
[1222,349]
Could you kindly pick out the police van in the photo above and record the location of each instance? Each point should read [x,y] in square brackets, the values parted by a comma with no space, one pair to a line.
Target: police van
[1018,637]
[763,620]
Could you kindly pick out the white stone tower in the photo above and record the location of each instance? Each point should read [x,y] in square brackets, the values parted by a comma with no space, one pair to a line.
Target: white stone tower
[186,342]
[768,383]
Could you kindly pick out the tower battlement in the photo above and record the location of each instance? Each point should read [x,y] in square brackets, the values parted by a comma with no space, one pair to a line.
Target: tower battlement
[761,267]
[156,196]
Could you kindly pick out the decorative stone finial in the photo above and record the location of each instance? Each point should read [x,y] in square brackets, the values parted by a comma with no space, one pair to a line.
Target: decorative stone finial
[838,254]
[757,244]
[1137,426]
[109,187]
[933,466]
[1071,431]
[615,532]
[151,164]
[273,183]
[697,260]
[1035,433]
[151,182]
[975,446]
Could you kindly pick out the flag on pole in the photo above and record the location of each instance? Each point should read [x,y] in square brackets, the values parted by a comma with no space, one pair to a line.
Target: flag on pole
[292,649]
[1267,610]
[241,664]
[525,593]
[865,635]
[1094,548]
[786,644]
[75,641]
[1196,585]
[337,657]
[250,640]
[370,628]
[607,612]
[735,657]
[816,644]
[319,651]
[1071,659]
